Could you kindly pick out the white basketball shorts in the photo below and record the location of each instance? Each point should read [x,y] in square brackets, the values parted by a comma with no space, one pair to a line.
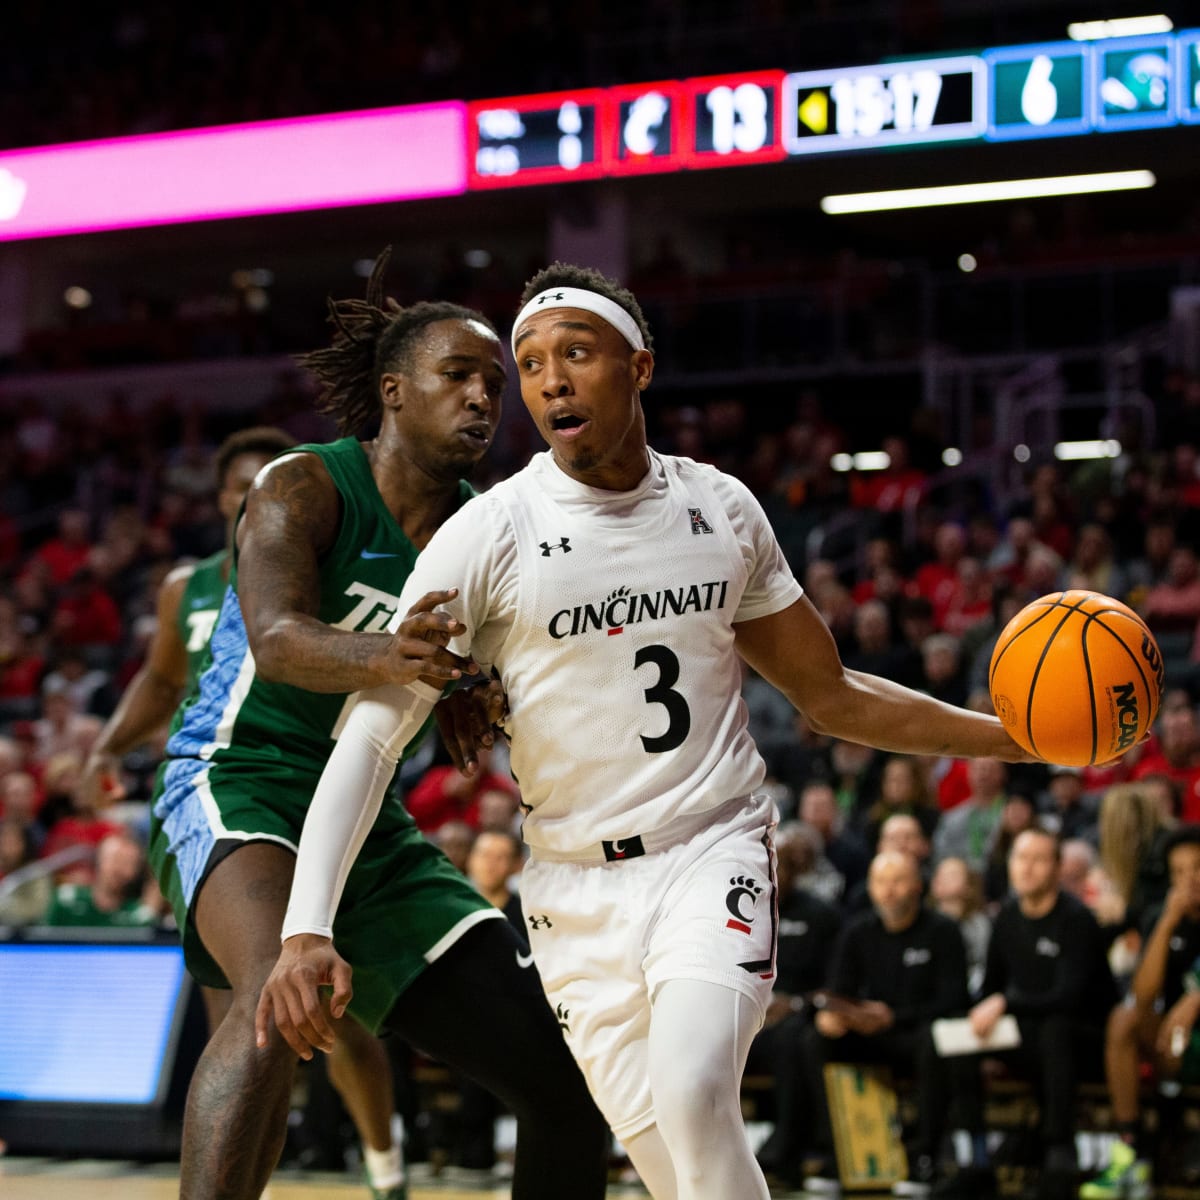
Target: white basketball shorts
[607,935]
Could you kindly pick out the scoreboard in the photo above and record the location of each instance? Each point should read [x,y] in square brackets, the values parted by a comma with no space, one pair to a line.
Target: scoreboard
[1052,89]
[388,155]
[631,130]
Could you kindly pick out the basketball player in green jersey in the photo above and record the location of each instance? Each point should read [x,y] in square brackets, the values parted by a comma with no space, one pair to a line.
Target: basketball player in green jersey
[187,607]
[189,601]
[328,536]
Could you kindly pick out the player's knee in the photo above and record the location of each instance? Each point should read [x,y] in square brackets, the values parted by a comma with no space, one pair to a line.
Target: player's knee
[693,1095]
[554,1096]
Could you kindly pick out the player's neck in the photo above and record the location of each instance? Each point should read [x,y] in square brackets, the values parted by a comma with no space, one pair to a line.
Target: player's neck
[417,495]
[620,473]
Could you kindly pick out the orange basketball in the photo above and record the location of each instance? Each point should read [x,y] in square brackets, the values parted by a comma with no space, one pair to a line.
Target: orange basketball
[1076,677]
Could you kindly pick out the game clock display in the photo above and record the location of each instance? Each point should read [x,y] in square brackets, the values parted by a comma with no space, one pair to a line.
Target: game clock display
[858,108]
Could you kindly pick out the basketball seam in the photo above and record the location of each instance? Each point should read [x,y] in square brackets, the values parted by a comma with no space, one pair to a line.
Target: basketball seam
[1037,671]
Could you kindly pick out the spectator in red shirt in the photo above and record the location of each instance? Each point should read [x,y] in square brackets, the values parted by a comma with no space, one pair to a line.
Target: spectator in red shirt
[445,794]
[968,600]
[81,825]
[1008,560]
[897,487]
[66,553]
[21,665]
[1173,606]
[1178,754]
[936,580]
[1050,526]
[880,561]
[86,615]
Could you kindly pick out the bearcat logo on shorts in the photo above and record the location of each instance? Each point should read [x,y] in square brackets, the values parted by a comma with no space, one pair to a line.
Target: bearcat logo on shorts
[742,885]
[740,920]
[622,607]
[1127,714]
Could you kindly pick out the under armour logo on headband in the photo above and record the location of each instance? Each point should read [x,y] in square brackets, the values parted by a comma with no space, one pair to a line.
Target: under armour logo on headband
[589,301]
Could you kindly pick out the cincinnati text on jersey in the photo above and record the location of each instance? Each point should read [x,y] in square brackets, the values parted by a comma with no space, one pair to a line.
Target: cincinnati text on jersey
[623,607]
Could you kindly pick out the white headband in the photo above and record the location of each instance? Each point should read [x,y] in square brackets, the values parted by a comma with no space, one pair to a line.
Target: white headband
[571,297]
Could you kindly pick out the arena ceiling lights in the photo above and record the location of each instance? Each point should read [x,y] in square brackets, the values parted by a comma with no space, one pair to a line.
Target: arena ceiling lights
[1094,31]
[979,193]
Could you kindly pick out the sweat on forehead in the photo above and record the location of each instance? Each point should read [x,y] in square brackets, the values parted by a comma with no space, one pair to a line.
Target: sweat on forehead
[589,301]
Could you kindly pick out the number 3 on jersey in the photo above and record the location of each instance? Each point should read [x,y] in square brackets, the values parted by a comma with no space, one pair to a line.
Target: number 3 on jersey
[663,692]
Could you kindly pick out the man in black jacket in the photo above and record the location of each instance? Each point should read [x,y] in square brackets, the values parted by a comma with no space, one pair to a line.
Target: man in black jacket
[1047,966]
[896,969]
[808,929]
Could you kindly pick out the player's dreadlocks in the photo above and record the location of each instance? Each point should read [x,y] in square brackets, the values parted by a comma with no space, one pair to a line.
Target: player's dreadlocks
[561,274]
[374,336]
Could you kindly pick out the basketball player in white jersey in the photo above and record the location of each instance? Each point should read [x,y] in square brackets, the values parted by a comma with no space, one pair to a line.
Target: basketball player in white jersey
[614,589]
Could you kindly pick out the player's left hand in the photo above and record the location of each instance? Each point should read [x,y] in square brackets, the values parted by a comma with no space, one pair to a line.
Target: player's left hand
[465,719]
[292,994]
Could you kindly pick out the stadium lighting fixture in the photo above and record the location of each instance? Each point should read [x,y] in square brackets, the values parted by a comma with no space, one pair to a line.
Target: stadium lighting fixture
[864,460]
[1075,451]
[1094,31]
[978,193]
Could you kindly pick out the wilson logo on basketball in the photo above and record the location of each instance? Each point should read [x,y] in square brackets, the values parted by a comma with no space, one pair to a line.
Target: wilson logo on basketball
[1153,659]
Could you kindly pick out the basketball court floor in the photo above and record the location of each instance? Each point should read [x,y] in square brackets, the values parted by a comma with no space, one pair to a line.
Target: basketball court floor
[94,1179]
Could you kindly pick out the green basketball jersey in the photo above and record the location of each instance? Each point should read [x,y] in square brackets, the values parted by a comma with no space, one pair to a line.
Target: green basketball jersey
[245,756]
[238,718]
[198,609]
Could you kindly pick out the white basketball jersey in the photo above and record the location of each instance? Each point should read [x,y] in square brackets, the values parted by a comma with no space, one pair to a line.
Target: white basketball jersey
[609,617]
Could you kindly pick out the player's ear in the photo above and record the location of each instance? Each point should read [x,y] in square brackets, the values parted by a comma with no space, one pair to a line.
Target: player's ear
[391,389]
[642,365]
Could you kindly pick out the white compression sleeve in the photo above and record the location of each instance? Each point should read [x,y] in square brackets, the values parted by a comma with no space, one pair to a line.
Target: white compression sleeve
[347,800]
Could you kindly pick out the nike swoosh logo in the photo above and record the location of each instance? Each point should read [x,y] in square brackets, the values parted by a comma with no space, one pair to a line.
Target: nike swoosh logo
[378,554]
[524,960]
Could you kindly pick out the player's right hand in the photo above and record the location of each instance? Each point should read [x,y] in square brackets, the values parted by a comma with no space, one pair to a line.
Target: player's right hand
[418,646]
[291,997]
